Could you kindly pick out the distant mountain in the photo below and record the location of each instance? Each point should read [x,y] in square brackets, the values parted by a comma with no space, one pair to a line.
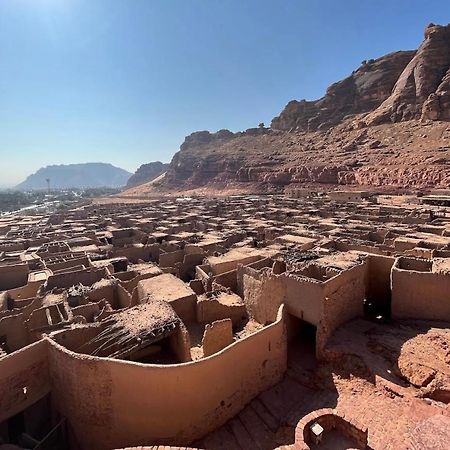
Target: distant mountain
[89,175]
[146,173]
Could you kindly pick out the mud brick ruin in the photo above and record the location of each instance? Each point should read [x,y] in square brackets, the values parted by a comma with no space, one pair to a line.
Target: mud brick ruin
[248,322]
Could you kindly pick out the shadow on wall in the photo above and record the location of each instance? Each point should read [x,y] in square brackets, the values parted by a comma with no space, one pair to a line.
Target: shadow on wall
[108,402]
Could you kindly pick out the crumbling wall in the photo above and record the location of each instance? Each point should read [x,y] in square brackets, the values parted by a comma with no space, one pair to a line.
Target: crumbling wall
[111,403]
[171,258]
[15,331]
[263,294]
[227,279]
[85,277]
[30,290]
[180,343]
[217,336]
[24,379]
[140,252]
[210,309]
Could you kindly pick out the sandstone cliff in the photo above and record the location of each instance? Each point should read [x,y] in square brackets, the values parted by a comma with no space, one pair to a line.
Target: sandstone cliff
[146,173]
[365,89]
[384,125]
[423,88]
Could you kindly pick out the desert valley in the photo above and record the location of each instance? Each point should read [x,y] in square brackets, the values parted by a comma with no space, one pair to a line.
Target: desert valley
[283,287]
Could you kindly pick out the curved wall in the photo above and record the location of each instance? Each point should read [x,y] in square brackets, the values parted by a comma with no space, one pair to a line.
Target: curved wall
[111,403]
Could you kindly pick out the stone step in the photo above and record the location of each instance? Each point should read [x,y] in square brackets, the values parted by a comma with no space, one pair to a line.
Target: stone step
[221,439]
[256,427]
[243,437]
[269,419]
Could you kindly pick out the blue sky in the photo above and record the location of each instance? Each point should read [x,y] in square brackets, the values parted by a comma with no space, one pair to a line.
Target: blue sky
[123,81]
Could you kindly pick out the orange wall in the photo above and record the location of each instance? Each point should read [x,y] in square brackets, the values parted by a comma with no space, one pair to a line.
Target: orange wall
[26,368]
[111,403]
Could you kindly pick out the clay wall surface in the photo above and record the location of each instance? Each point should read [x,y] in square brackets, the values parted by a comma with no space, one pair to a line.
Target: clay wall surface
[15,331]
[171,258]
[65,280]
[28,291]
[418,294]
[26,368]
[343,300]
[88,311]
[135,253]
[219,266]
[379,279]
[217,336]
[227,279]
[109,403]
[263,294]
[304,298]
[71,262]
[13,276]
[210,309]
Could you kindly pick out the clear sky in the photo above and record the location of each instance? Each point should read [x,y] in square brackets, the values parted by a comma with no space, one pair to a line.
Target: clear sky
[123,81]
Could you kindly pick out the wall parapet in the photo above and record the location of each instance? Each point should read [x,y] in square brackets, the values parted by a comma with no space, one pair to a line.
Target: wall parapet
[111,403]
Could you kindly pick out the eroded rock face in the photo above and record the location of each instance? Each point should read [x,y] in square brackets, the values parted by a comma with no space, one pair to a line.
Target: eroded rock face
[198,161]
[384,125]
[437,105]
[365,89]
[146,173]
[422,89]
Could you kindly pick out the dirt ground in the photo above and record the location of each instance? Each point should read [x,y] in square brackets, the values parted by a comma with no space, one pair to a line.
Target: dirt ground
[367,382]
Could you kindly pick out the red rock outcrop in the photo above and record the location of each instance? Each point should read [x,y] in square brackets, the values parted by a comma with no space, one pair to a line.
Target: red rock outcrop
[365,89]
[422,89]
[384,125]
[146,173]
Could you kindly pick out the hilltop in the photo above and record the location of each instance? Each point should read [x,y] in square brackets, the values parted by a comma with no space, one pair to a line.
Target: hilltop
[88,175]
[147,173]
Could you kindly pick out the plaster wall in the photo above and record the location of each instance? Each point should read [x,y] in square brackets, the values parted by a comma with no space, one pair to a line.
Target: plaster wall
[27,368]
[13,276]
[420,295]
[304,298]
[170,259]
[379,279]
[263,294]
[343,300]
[15,331]
[112,403]
[86,277]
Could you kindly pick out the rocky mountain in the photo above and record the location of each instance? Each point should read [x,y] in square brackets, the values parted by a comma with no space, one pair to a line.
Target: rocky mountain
[423,88]
[364,90]
[89,175]
[146,173]
[386,125]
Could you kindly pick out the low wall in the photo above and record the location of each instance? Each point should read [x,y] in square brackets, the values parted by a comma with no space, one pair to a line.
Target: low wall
[420,295]
[111,403]
[24,379]
[87,277]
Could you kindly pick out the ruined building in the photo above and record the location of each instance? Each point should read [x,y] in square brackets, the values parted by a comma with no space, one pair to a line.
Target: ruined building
[274,322]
